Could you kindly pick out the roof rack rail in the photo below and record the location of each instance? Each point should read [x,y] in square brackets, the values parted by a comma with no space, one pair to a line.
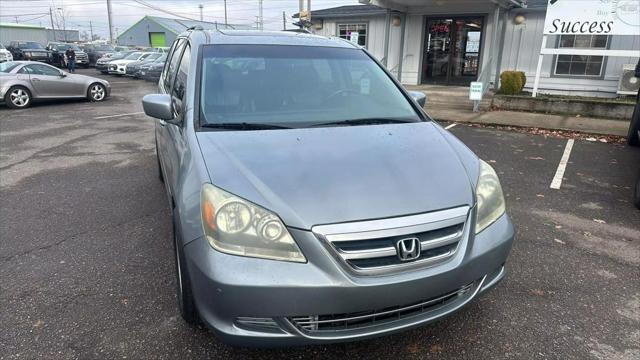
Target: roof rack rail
[195,27]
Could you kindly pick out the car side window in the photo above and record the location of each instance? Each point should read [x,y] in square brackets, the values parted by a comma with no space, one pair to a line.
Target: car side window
[172,63]
[180,84]
[44,70]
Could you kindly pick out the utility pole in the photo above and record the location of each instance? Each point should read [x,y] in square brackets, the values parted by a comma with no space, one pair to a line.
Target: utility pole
[91,30]
[109,15]
[309,11]
[200,7]
[225,14]
[284,21]
[16,19]
[260,15]
[55,38]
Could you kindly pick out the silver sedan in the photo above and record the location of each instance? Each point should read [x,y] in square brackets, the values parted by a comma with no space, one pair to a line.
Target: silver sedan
[22,82]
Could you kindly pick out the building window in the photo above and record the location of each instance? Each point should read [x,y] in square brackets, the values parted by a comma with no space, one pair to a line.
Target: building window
[580,65]
[352,31]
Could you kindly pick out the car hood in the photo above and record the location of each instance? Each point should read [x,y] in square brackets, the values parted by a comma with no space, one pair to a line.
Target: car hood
[328,175]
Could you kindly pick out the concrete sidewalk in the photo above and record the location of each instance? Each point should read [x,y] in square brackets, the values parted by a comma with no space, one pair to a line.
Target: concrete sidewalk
[524,119]
[452,104]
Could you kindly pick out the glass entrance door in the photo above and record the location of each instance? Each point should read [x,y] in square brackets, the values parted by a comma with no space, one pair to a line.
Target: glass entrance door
[452,50]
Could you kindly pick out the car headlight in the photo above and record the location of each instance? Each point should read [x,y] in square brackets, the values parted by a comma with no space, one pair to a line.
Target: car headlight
[489,197]
[235,226]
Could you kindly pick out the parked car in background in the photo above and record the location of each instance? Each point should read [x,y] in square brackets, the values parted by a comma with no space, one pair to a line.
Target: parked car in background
[96,51]
[152,71]
[132,69]
[29,50]
[103,63]
[119,67]
[24,82]
[58,57]
[119,48]
[5,55]
[333,211]
[161,49]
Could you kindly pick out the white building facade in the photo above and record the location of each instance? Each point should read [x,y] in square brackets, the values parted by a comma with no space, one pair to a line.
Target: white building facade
[459,41]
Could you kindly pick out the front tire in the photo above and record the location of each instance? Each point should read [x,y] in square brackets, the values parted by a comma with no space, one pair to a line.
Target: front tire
[18,97]
[97,92]
[186,303]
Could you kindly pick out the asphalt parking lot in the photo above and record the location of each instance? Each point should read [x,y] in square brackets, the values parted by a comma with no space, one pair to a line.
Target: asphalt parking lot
[86,260]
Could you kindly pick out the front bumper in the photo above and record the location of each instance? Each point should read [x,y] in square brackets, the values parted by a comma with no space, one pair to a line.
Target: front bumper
[117,69]
[228,289]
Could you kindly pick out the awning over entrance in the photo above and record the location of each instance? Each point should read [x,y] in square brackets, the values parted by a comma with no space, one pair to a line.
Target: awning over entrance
[413,6]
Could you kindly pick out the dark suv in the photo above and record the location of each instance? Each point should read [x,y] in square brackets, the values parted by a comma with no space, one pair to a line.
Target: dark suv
[58,51]
[29,50]
[96,51]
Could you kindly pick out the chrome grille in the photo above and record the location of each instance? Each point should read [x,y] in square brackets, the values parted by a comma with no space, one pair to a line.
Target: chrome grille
[372,246]
[317,324]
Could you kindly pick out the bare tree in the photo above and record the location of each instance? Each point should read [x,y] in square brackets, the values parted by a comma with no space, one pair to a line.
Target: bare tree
[60,20]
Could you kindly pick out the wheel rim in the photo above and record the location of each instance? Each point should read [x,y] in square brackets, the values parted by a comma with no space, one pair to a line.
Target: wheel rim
[97,92]
[19,98]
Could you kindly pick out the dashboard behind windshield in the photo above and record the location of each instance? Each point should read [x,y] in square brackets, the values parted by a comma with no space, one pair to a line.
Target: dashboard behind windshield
[296,86]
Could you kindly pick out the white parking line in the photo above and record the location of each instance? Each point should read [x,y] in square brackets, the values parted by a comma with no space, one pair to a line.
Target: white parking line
[117,115]
[557,180]
[450,126]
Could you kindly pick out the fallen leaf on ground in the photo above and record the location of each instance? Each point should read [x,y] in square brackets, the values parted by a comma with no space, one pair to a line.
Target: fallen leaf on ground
[559,241]
[539,195]
[600,221]
[536,292]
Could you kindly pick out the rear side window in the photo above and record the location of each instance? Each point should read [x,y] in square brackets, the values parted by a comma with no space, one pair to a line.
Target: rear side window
[172,64]
[37,69]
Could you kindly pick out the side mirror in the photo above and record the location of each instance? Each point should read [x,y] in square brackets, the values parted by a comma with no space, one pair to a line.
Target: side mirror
[62,74]
[419,97]
[158,106]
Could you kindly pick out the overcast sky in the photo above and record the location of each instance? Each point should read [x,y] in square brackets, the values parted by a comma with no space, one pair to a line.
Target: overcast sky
[127,12]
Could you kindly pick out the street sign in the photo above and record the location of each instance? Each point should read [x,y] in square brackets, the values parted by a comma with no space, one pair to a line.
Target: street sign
[353,37]
[593,17]
[475,91]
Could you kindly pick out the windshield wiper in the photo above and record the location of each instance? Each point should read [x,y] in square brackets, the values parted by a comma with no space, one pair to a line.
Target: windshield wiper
[365,121]
[243,126]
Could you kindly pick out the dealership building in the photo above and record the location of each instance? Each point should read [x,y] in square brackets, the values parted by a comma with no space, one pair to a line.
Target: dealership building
[158,31]
[39,34]
[456,42]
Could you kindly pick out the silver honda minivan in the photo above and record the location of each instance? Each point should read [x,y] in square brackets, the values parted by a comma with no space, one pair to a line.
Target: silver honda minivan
[313,200]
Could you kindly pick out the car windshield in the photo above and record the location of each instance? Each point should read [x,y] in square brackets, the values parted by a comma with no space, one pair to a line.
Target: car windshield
[297,86]
[152,57]
[6,67]
[2,46]
[161,58]
[30,45]
[133,56]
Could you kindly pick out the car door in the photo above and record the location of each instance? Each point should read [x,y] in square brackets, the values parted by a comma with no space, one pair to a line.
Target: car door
[45,80]
[163,140]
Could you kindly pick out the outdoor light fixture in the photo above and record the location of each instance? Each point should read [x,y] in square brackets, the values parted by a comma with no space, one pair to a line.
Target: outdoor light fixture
[519,19]
[396,21]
